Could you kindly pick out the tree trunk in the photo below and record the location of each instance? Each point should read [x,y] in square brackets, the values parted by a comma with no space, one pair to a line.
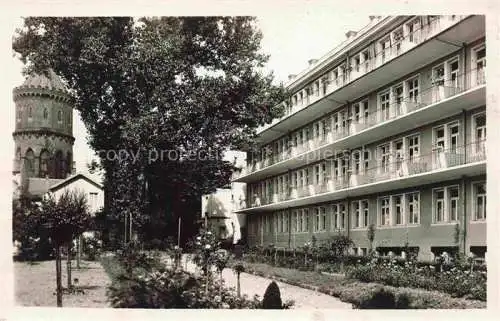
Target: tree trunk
[79,251]
[68,265]
[58,276]
[238,289]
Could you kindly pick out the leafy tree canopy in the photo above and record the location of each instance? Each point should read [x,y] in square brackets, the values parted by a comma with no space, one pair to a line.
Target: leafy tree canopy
[191,86]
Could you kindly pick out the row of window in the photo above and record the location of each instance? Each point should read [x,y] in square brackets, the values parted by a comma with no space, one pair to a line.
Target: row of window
[392,210]
[391,102]
[390,157]
[45,115]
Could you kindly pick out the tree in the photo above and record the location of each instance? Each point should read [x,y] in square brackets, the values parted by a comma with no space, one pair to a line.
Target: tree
[272,297]
[173,92]
[370,234]
[64,218]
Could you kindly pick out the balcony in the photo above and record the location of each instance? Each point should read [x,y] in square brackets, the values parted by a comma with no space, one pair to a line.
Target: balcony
[414,51]
[439,165]
[447,97]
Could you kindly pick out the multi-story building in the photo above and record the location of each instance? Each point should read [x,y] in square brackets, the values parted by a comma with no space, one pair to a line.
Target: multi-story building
[388,129]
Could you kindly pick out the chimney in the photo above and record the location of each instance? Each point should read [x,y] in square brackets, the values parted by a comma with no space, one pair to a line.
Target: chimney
[291,76]
[312,61]
[373,18]
[349,34]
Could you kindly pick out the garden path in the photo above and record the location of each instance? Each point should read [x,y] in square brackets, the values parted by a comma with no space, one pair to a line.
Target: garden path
[252,284]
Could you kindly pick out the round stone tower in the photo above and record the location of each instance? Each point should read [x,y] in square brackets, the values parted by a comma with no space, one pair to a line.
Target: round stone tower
[44,129]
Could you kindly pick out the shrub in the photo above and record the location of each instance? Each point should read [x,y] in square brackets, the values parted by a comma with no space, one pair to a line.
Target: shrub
[272,297]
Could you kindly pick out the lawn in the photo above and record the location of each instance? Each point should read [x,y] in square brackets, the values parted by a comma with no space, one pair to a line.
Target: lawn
[352,291]
[35,284]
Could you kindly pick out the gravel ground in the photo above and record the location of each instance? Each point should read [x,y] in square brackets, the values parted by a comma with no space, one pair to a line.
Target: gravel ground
[35,285]
[304,298]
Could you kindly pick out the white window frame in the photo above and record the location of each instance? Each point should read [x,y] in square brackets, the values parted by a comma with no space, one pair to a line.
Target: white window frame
[415,203]
[475,140]
[413,94]
[365,212]
[474,217]
[384,167]
[383,109]
[356,214]
[474,61]
[450,199]
[412,147]
[435,206]
[381,208]
[401,208]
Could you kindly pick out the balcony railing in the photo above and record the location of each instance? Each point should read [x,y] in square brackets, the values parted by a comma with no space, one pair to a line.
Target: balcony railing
[438,159]
[437,92]
[383,56]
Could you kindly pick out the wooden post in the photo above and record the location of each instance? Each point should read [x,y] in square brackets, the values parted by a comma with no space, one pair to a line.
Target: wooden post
[125,238]
[179,233]
[130,227]
[68,263]
[58,276]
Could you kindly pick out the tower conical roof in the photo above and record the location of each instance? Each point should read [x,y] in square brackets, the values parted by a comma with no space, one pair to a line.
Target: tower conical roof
[50,81]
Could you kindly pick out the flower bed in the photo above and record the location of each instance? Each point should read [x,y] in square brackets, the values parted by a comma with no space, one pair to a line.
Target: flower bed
[361,294]
[455,281]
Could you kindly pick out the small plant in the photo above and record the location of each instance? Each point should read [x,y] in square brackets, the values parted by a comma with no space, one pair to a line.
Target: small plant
[238,269]
[272,297]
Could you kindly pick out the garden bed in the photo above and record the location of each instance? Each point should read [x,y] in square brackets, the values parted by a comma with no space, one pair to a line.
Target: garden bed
[357,293]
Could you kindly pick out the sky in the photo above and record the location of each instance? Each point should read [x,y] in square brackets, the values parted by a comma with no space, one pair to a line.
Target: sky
[291,38]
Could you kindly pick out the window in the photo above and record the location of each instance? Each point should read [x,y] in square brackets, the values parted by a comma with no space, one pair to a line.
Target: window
[317,220]
[338,216]
[384,211]
[366,218]
[413,205]
[30,112]
[398,209]
[304,226]
[438,205]
[384,103]
[45,113]
[93,200]
[454,72]
[413,90]
[398,154]
[413,148]
[384,153]
[322,221]
[59,116]
[454,133]
[479,138]
[384,45]
[479,54]
[317,174]
[285,222]
[439,141]
[479,193]
[438,75]
[44,164]
[398,97]
[366,157]
[453,203]
[365,111]
[316,88]
[342,209]
[356,215]
[356,162]
[19,115]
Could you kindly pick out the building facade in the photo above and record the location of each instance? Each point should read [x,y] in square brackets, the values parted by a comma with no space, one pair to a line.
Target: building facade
[43,134]
[219,209]
[388,129]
